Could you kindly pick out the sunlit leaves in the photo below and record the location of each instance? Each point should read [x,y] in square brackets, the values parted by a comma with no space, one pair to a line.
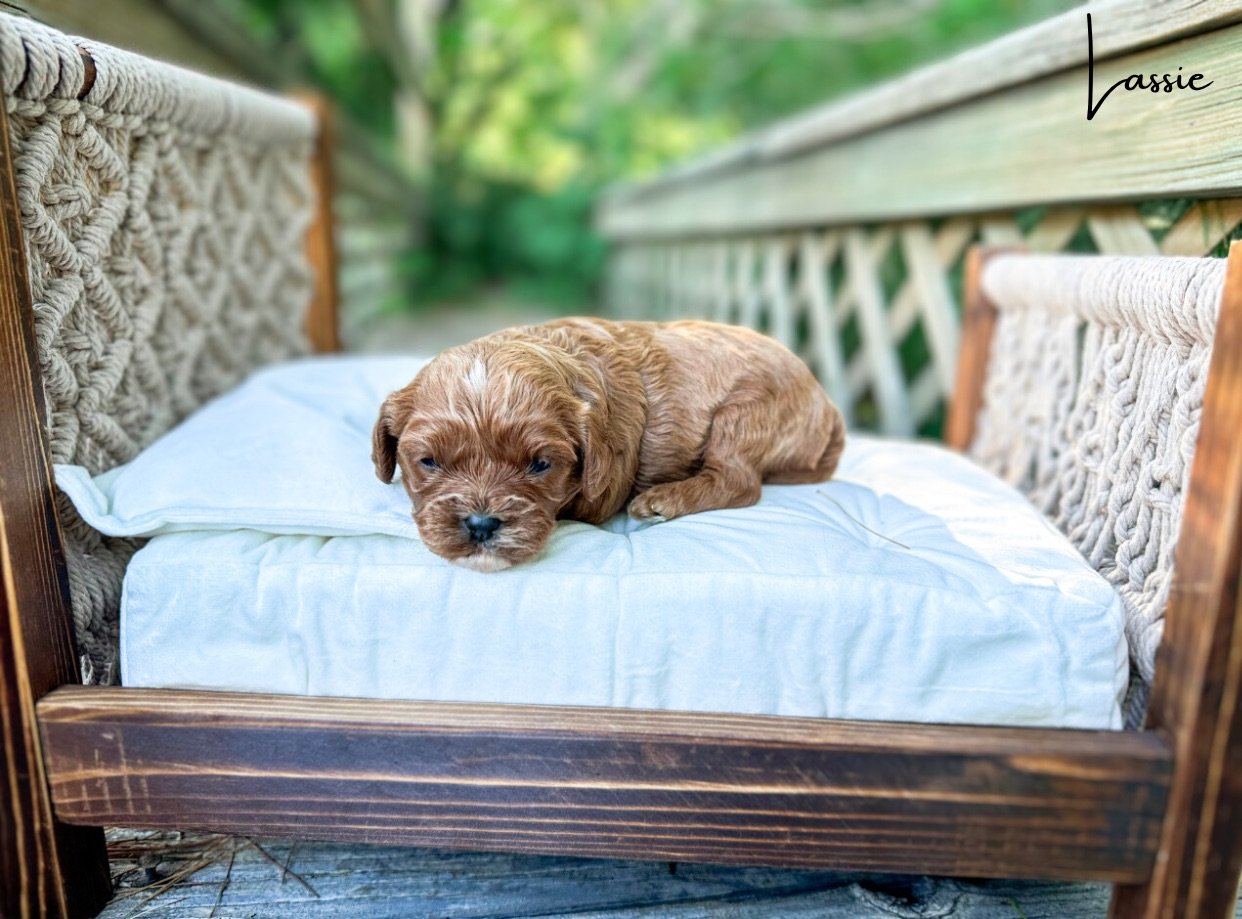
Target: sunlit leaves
[534,105]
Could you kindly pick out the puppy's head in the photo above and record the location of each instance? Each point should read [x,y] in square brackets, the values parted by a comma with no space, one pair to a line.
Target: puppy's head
[490,439]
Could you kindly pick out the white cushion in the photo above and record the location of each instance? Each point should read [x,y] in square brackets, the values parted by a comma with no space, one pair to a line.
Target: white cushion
[914,586]
[288,451]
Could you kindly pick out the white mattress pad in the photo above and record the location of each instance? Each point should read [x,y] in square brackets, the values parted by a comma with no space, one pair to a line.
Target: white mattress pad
[914,586]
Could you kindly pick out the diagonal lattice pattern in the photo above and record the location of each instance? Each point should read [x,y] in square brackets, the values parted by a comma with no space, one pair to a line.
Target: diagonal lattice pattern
[165,216]
[874,310]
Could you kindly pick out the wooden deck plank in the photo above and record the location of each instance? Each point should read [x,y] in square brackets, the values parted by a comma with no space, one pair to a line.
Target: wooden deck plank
[381,882]
[374,882]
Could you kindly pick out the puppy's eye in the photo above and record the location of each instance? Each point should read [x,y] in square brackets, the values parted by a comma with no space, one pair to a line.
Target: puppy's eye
[428,462]
[538,466]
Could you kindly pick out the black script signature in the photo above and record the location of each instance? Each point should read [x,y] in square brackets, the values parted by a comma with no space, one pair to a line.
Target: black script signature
[1154,82]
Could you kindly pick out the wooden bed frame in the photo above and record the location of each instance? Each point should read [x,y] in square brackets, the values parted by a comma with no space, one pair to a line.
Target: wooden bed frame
[1151,811]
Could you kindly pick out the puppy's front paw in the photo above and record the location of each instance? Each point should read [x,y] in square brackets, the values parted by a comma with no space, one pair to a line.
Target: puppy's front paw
[660,503]
[707,491]
[649,507]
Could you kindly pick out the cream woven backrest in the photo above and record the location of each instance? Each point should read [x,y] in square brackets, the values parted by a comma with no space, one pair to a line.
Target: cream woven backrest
[1092,403]
[165,216]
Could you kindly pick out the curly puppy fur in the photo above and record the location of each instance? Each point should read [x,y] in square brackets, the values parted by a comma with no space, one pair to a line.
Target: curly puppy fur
[498,438]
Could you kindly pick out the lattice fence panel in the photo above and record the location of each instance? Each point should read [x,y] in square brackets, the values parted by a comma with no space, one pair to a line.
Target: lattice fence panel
[875,310]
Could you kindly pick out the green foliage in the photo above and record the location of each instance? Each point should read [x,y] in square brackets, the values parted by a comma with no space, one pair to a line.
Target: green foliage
[326,38]
[497,232]
[530,108]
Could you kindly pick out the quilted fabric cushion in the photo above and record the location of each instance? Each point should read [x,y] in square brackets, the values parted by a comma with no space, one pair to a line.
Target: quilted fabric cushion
[914,586]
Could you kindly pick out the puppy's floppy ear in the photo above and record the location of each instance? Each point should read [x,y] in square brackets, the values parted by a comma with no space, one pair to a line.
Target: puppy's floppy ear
[597,455]
[610,430]
[594,444]
[392,417]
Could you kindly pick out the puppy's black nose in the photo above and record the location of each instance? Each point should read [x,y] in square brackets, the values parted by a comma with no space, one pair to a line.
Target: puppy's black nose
[481,528]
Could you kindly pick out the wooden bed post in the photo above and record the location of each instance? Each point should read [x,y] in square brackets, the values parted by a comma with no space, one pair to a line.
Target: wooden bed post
[47,868]
[978,324]
[1198,686]
[322,319]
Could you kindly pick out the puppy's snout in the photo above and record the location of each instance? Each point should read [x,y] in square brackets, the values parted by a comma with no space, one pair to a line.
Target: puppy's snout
[481,528]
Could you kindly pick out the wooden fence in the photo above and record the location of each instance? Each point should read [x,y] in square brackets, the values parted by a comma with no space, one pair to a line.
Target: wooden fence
[842,231]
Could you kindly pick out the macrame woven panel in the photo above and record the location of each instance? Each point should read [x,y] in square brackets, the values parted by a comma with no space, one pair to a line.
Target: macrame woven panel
[165,216]
[1092,406]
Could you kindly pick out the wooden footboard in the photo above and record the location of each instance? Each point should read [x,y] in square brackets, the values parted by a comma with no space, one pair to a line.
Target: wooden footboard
[798,792]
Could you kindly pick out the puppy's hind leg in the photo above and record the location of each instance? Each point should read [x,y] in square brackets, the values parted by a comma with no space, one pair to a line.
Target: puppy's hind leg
[730,475]
[823,468]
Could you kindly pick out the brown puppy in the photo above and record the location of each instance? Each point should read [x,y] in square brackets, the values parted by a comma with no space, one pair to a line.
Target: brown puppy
[498,438]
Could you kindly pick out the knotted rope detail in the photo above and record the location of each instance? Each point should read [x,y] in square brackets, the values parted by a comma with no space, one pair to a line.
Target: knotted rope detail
[1092,405]
[165,215]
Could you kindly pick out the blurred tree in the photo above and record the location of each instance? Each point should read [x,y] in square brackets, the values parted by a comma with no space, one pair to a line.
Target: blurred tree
[515,113]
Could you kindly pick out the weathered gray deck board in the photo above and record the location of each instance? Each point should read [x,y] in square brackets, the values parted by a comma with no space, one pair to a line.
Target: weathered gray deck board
[363,882]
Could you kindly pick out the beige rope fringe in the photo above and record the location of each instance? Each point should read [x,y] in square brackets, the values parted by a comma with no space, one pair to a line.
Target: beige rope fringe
[1092,405]
[165,215]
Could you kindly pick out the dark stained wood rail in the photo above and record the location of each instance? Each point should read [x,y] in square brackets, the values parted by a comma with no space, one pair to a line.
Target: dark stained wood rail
[46,867]
[1196,699]
[322,319]
[978,327]
[958,800]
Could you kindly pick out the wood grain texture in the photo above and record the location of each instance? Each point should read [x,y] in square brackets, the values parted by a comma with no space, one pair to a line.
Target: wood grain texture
[793,792]
[1030,144]
[1199,229]
[1057,44]
[978,326]
[46,867]
[323,317]
[1196,695]
[1120,231]
[352,881]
